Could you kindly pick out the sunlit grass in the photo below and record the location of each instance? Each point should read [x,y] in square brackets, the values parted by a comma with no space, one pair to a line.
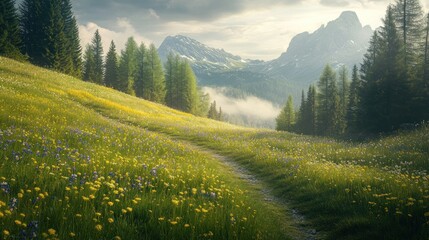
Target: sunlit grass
[371,190]
[69,172]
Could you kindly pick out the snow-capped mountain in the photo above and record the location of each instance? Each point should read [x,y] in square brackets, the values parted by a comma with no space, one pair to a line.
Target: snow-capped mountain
[342,41]
[203,58]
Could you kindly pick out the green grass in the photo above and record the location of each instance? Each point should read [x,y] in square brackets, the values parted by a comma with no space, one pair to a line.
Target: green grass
[53,126]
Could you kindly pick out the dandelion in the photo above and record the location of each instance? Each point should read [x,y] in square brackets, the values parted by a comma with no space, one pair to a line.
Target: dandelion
[173,222]
[6,232]
[186,225]
[51,231]
[161,219]
[175,202]
[98,227]
[110,203]
[17,222]
[110,220]
[72,234]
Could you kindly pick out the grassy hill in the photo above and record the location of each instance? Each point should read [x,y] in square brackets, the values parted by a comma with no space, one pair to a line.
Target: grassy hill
[84,161]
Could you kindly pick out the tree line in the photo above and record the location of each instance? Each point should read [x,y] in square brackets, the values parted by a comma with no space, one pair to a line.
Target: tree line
[46,34]
[390,91]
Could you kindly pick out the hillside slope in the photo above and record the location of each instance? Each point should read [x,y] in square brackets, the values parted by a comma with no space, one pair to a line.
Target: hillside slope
[86,161]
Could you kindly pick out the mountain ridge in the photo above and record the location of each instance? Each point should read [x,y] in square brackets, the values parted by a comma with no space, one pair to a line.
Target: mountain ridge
[342,41]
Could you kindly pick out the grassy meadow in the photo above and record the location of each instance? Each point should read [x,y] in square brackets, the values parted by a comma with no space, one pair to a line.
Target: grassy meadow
[87,162]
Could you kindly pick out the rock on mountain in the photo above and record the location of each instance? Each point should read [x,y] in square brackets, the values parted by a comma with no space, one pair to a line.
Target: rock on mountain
[343,41]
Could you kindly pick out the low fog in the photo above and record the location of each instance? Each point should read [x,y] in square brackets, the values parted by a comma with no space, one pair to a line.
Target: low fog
[248,111]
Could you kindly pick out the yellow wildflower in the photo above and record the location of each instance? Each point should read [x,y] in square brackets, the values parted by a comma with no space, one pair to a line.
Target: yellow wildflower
[51,231]
[98,227]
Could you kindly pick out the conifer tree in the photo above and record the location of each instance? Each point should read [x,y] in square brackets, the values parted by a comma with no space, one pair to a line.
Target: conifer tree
[97,48]
[385,94]
[311,111]
[212,114]
[71,32]
[354,99]
[171,80]
[10,35]
[56,51]
[33,25]
[154,81]
[50,35]
[140,71]
[285,121]
[328,100]
[344,98]
[409,20]
[127,66]
[111,67]
[203,103]
[88,65]
[299,126]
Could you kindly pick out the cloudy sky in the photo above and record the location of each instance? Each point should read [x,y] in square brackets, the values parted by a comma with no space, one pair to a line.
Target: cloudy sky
[253,29]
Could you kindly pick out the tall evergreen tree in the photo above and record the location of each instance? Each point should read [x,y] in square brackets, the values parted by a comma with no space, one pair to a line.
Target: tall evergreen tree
[299,126]
[111,67]
[56,52]
[310,113]
[97,48]
[285,121]
[140,72]
[385,94]
[354,99]
[88,64]
[344,86]
[71,32]
[154,80]
[127,66]
[33,24]
[409,20]
[50,35]
[10,35]
[171,80]
[328,100]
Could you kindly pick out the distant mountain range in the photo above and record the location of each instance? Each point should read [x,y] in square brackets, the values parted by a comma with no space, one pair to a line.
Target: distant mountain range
[342,41]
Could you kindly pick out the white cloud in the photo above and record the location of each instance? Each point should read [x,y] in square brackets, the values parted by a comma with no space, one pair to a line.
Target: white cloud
[120,37]
[251,106]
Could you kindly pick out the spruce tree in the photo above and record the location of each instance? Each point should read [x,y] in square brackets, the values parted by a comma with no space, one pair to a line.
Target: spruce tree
[409,20]
[97,48]
[154,80]
[344,86]
[56,52]
[10,35]
[127,66]
[328,100]
[88,64]
[286,119]
[311,111]
[299,126]
[140,70]
[111,67]
[191,91]
[354,101]
[71,32]
[171,80]
[33,24]
[213,113]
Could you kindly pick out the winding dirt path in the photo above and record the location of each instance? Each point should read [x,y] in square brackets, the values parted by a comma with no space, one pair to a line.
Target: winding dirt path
[302,228]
